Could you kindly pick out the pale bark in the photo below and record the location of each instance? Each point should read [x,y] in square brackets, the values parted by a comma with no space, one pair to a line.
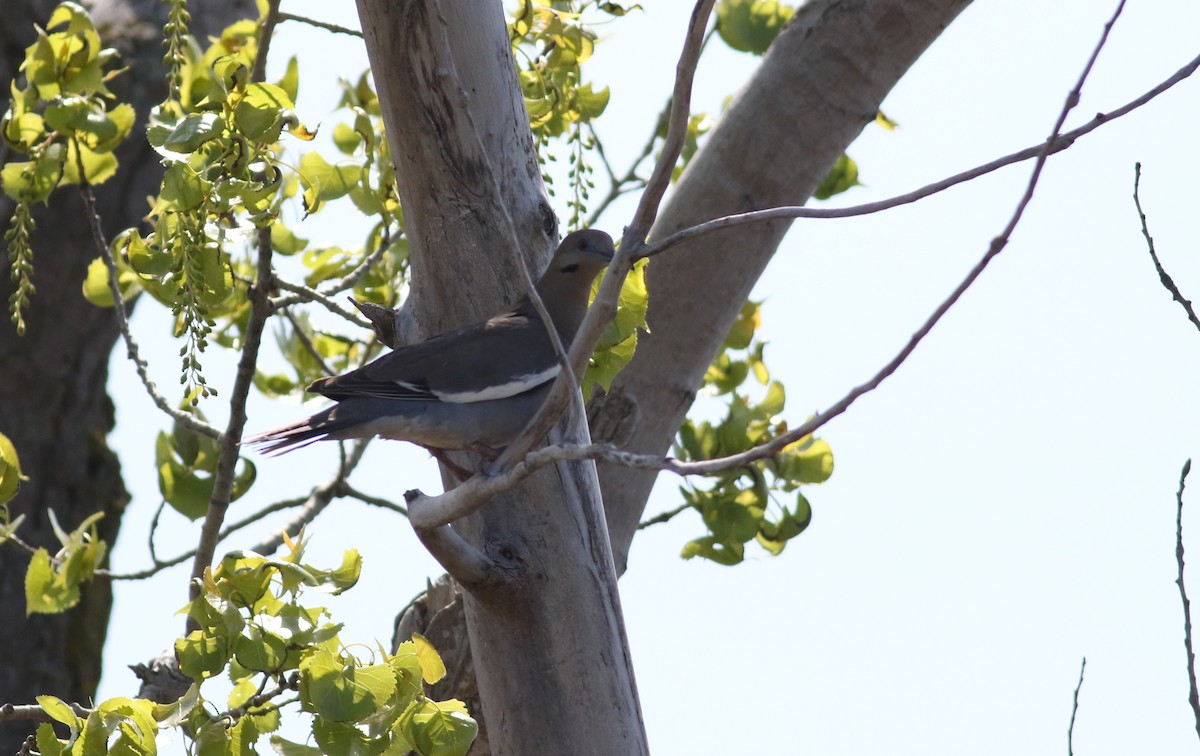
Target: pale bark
[819,84]
[545,624]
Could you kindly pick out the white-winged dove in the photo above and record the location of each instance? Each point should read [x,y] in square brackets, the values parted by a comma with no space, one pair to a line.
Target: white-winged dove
[472,388]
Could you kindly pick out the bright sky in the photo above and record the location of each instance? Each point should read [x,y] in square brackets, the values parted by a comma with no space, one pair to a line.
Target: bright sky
[1002,507]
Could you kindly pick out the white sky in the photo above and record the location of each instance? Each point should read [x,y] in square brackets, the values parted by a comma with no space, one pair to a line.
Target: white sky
[1001,507]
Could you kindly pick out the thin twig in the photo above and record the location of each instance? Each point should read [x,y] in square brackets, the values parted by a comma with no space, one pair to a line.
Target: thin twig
[1193,694]
[227,531]
[375,501]
[667,516]
[428,512]
[154,530]
[681,111]
[1164,277]
[132,351]
[320,24]
[1059,143]
[307,342]
[351,279]
[317,500]
[1074,710]
[302,293]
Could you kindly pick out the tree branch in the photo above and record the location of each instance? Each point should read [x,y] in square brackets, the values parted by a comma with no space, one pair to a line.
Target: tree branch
[320,24]
[1193,693]
[1164,277]
[681,110]
[317,500]
[1058,144]
[1074,710]
[302,294]
[468,565]
[132,351]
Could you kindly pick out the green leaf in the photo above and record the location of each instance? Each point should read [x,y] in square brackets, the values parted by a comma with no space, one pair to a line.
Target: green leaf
[46,592]
[344,738]
[808,460]
[751,25]
[201,655]
[95,285]
[260,650]
[590,105]
[288,748]
[346,139]
[33,181]
[841,177]
[284,242]
[324,182]
[339,690]
[290,83]
[440,728]
[186,135]
[261,112]
[709,548]
[432,668]
[10,470]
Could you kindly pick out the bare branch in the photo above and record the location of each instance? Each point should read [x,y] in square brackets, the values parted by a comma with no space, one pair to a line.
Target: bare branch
[1164,277]
[317,500]
[307,342]
[1193,694]
[1074,710]
[132,351]
[320,24]
[681,110]
[1058,144]
[351,279]
[664,517]
[302,293]
[227,531]
[350,491]
[229,442]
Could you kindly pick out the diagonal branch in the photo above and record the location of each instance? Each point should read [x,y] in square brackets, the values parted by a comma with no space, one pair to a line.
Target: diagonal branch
[1075,710]
[1193,693]
[187,419]
[1167,282]
[1058,144]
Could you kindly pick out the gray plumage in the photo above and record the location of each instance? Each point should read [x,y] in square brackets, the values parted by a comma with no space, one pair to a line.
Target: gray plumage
[476,386]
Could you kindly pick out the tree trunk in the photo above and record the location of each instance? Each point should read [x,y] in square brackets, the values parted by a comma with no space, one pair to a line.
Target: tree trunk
[55,407]
[547,639]
[820,83]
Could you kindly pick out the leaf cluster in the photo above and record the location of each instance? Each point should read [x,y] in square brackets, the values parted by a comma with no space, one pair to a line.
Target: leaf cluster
[744,504]
[277,651]
[62,121]
[52,582]
[255,631]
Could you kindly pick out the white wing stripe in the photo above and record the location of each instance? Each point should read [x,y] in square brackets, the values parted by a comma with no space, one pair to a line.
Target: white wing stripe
[517,385]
